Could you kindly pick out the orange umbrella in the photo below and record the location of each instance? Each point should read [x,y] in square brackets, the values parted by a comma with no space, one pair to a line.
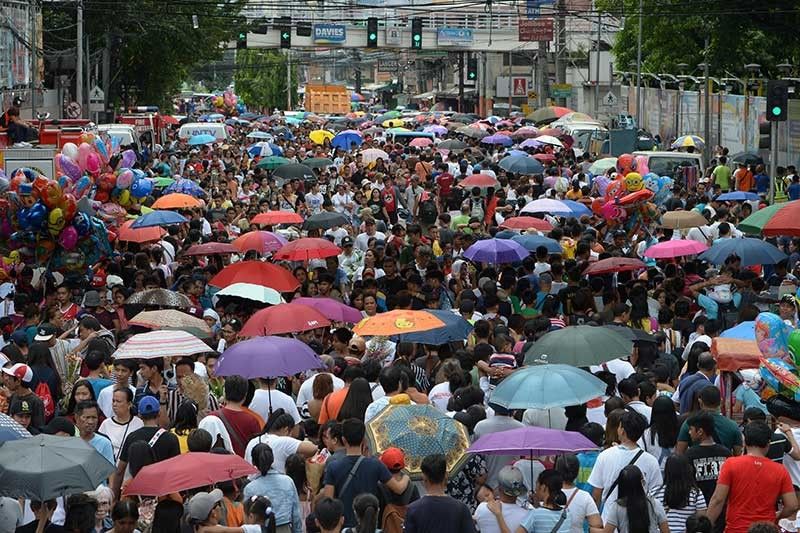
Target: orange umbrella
[270,218]
[398,322]
[140,235]
[176,200]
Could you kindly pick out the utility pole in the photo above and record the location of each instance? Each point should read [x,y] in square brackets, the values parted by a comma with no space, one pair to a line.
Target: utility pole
[541,68]
[289,80]
[107,71]
[79,59]
[357,67]
[707,98]
[34,58]
[461,82]
[561,46]
[639,67]
[510,81]
[597,69]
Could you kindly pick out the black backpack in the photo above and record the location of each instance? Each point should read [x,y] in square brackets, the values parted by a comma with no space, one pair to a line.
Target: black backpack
[428,211]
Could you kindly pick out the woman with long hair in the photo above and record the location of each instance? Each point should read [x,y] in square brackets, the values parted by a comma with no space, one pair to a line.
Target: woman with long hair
[359,396]
[296,469]
[41,362]
[612,425]
[123,422]
[660,438]
[633,511]
[454,378]
[365,507]
[276,487]
[322,386]
[82,391]
[185,422]
[580,503]
[680,495]
[549,516]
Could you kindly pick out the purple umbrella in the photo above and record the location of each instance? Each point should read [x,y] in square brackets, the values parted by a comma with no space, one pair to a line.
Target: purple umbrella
[435,129]
[267,357]
[497,139]
[532,441]
[331,309]
[530,143]
[496,251]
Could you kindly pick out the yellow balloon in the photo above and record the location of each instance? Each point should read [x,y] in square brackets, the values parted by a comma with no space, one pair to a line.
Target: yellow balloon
[125,198]
[56,221]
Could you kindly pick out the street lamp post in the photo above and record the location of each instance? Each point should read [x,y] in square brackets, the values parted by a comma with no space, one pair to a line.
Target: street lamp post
[639,66]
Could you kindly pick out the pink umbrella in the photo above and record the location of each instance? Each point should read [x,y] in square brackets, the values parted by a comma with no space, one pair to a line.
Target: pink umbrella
[421,142]
[675,248]
[332,309]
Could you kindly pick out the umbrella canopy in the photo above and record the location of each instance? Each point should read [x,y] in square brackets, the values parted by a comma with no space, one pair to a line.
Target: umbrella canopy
[345,140]
[521,165]
[743,330]
[373,154]
[267,357]
[775,220]
[392,123]
[325,220]
[525,222]
[171,319]
[320,136]
[333,310]
[675,248]
[158,218]
[736,196]
[532,441]
[685,141]
[250,291]
[472,132]
[306,249]
[139,235]
[197,140]
[478,180]
[257,273]
[613,264]
[578,346]
[631,334]
[187,471]
[683,219]
[420,142]
[160,298]
[211,248]
[259,135]
[318,162]
[273,218]
[186,186]
[548,139]
[545,115]
[455,329]
[601,165]
[284,318]
[551,207]
[260,241]
[420,431]
[176,200]
[452,144]
[10,429]
[435,129]
[261,149]
[292,171]
[46,467]
[397,322]
[578,209]
[748,158]
[525,132]
[531,242]
[751,251]
[546,386]
[272,162]
[496,251]
[161,343]
[502,140]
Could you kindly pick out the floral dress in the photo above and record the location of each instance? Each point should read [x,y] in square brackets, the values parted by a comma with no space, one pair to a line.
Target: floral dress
[462,486]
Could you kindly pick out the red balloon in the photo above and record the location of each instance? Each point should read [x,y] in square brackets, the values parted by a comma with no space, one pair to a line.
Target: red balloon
[107,182]
[101,196]
[40,187]
[52,194]
[69,206]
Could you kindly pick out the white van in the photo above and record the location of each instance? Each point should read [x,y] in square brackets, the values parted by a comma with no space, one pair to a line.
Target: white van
[125,133]
[672,163]
[582,132]
[218,130]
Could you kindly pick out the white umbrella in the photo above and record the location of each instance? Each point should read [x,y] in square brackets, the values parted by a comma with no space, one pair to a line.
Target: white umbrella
[254,292]
[548,139]
[161,343]
[259,135]
[260,149]
[373,154]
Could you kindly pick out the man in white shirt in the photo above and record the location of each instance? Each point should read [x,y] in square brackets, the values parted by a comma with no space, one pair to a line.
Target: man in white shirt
[370,230]
[267,399]
[510,486]
[314,199]
[629,391]
[342,201]
[393,382]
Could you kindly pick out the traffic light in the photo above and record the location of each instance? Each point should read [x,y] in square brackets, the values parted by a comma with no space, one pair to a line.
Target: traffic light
[285,30]
[241,40]
[416,33]
[777,100]
[472,69]
[372,32]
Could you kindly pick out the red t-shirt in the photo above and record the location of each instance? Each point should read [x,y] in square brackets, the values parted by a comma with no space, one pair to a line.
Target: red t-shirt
[445,183]
[241,422]
[755,484]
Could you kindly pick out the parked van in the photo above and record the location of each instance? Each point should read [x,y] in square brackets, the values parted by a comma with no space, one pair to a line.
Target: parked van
[685,167]
[188,131]
[124,133]
[582,132]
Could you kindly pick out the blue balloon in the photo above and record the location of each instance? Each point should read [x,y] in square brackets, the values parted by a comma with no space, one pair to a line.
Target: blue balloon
[141,188]
[37,216]
[82,224]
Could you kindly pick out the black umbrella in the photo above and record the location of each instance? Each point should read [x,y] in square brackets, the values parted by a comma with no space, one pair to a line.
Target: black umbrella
[452,144]
[292,171]
[325,220]
[748,158]
[318,162]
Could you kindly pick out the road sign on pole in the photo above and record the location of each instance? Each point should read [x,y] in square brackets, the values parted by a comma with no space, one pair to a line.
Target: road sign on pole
[610,99]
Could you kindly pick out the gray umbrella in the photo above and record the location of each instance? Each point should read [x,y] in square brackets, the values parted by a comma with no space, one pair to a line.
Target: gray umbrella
[45,467]
[325,220]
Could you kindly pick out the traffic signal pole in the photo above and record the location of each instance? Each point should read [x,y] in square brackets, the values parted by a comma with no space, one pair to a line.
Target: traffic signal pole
[461,82]
[773,159]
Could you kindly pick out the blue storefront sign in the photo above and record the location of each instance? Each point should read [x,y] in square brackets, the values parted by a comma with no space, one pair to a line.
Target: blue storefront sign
[329,33]
[454,37]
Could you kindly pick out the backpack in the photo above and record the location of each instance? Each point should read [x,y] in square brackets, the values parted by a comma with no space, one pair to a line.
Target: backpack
[428,212]
[476,208]
[393,518]
[43,392]
[728,315]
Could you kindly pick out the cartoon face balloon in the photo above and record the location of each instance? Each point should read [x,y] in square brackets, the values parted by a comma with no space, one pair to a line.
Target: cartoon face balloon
[626,164]
[772,336]
[634,182]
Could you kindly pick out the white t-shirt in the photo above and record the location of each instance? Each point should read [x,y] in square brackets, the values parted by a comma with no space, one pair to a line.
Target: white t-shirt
[610,463]
[581,506]
[486,522]
[792,466]
[117,433]
[106,397]
[641,408]
[282,447]
[306,392]
[439,396]
[262,399]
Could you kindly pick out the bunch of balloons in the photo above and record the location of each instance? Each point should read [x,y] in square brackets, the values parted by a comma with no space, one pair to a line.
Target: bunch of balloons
[779,345]
[227,103]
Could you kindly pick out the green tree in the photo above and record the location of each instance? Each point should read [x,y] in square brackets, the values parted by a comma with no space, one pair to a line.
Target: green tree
[260,79]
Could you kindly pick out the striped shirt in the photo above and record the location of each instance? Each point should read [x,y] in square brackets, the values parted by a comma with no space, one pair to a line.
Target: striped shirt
[175,398]
[677,517]
[544,520]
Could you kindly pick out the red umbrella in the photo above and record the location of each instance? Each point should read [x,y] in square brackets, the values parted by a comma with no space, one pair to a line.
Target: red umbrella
[613,264]
[258,273]
[284,318]
[271,218]
[478,180]
[140,235]
[188,471]
[308,248]
[169,120]
[544,158]
[260,241]
[523,223]
[212,248]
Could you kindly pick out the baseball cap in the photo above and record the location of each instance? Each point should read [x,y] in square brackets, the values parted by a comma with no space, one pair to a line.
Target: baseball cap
[45,333]
[347,241]
[394,459]
[20,371]
[113,281]
[19,337]
[148,406]
[99,279]
[509,481]
[20,407]
[91,299]
[202,503]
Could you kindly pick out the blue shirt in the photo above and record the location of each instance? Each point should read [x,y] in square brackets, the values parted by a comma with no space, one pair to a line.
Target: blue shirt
[762,183]
[282,493]
[543,520]
[103,445]
[793,191]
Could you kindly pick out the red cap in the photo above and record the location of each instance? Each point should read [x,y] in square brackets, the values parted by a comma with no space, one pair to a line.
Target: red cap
[394,459]
[99,279]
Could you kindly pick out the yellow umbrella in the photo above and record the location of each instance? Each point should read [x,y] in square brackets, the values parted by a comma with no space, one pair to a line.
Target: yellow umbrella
[319,136]
[393,123]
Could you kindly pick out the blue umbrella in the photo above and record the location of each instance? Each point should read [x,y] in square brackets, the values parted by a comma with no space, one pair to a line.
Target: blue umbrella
[750,250]
[496,251]
[186,186]
[455,329]
[505,234]
[577,208]
[259,135]
[737,196]
[345,140]
[546,386]
[158,218]
[203,138]
[261,149]
[743,330]
[276,150]
[531,242]
[512,153]
[10,429]
[521,164]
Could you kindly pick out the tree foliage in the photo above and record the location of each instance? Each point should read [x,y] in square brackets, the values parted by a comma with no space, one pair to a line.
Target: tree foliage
[739,32]
[260,79]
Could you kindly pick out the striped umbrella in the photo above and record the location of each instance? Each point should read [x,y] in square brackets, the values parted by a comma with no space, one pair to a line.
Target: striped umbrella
[685,141]
[161,343]
[172,319]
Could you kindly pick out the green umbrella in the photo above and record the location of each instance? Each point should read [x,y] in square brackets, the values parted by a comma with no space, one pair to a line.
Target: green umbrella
[546,386]
[161,182]
[318,162]
[272,162]
[601,165]
[754,224]
[45,467]
[579,346]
